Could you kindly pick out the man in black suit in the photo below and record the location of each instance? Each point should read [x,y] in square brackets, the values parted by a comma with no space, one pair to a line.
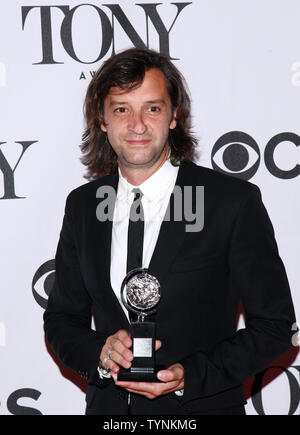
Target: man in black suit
[138,135]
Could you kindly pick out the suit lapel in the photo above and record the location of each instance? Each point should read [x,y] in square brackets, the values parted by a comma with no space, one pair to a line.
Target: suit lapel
[104,235]
[171,235]
[107,234]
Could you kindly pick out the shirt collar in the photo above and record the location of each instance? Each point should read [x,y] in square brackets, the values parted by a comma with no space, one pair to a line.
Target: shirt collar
[154,187]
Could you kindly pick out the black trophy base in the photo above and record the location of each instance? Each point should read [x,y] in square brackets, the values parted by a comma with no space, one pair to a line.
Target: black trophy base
[143,368]
[139,376]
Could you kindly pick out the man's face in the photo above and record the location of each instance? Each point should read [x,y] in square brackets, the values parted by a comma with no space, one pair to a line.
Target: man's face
[137,122]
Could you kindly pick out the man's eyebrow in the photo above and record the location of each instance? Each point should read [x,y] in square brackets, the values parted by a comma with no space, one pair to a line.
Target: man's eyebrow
[117,103]
[157,101]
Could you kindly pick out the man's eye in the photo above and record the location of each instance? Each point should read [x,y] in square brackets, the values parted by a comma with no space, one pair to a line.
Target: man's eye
[154,109]
[120,110]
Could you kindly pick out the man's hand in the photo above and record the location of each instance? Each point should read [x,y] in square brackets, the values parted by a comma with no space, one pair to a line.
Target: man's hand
[117,351]
[120,354]
[172,380]
[117,347]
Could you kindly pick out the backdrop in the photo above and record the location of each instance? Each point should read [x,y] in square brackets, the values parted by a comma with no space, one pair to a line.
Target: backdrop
[241,60]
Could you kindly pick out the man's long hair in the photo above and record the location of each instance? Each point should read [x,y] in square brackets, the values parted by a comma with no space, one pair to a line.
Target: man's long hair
[126,70]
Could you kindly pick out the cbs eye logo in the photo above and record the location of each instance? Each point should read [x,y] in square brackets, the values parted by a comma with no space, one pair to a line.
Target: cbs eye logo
[42,282]
[237,153]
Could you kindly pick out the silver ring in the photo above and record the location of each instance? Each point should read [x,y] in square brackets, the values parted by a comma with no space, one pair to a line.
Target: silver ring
[104,362]
[109,352]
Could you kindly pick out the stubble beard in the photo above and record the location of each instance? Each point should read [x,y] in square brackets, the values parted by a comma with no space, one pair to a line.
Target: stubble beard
[144,160]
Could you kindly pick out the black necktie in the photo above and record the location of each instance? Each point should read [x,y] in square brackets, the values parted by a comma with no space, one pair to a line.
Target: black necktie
[135,237]
[135,232]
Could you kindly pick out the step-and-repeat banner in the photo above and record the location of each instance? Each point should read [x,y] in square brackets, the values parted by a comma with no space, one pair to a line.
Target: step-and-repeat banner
[241,60]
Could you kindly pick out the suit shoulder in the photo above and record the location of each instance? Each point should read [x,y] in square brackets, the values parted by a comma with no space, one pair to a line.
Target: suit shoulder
[88,190]
[225,184]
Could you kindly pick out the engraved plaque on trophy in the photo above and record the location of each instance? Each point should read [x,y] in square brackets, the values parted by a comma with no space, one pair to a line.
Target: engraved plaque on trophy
[140,293]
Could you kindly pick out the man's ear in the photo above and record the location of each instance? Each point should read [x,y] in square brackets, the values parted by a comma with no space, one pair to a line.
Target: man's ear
[173,122]
[102,124]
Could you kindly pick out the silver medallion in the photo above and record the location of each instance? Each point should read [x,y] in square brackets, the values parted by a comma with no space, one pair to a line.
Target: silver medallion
[143,291]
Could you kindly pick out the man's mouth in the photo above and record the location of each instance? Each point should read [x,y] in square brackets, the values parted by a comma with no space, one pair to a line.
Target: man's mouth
[138,142]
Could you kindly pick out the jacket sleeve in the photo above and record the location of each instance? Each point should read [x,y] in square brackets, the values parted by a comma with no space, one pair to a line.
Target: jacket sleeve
[258,274]
[67,319]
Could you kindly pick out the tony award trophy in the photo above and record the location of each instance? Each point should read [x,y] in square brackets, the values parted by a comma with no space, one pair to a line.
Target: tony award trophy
[142,294]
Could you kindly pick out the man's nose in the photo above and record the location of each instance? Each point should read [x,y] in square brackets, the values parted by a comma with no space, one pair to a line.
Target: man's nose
[137,123]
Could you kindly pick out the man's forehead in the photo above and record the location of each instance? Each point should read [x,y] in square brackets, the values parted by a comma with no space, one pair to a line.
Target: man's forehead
[127,88]
[153,81]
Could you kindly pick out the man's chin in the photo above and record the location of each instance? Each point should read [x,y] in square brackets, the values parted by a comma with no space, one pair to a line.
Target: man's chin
[138,161]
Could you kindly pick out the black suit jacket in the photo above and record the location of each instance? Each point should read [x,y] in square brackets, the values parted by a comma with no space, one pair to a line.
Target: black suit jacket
[203,276]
